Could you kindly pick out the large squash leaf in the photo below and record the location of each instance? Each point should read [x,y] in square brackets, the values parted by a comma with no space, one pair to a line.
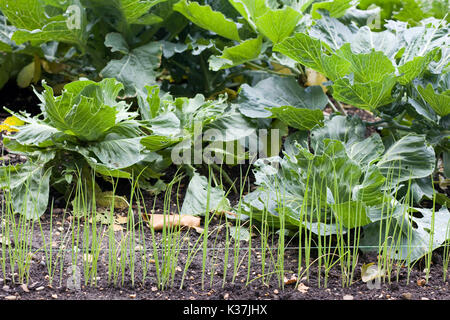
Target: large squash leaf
[28,187]
[257,101]
[233,56]
[34,24]
[408,158]
[201,196]
[408,237]
[278,24]
[137,68]
[206,18]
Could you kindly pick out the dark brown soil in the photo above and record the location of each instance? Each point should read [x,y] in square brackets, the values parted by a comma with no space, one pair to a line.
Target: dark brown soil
[17,99]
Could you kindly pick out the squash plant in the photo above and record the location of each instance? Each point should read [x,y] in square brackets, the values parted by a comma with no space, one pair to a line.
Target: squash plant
[138,42]
[339,180]
[87,129]
[83,128]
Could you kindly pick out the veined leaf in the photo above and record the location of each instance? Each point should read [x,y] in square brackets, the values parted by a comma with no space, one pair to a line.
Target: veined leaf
[133,11]
[337,170]
[299,118]
[408,158]
[198,196]
[36,133]
[150,104]
[206,18]
[29,187]
[333,32]
[166,124]
[117,43]
[232,56]
[440,102]
[229,126]
[305,50]
[415,67]
[336,8]
[366,151]
[136,69]
[365,67]
[53,31]
[410,238]
[124,13]
[105,170]
[155,142]
[351,214]
[117,152]
[250,9]
[370,190]
[255,102]
[343,175]
[6,32]
[369,95]
[78,115]
[349,130]
[278,24]
[312,53]
[419,41]
[34,24]
[366,41]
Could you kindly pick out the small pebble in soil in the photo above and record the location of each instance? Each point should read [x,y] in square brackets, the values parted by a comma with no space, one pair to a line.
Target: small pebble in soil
[40,288]
[5,288]
[133,296]
[54,296]
[154,289]
[424,298]
[348,297]
[421,282]
[11,298]
[407,296]
[226,296]
[25,288]
[276,291]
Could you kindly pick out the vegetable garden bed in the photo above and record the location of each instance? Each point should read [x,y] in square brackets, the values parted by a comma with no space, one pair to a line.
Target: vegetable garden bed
[238,278]
[224,150]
